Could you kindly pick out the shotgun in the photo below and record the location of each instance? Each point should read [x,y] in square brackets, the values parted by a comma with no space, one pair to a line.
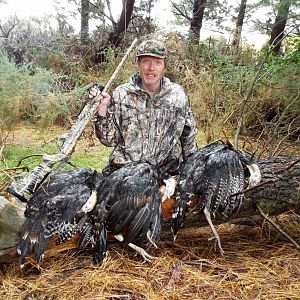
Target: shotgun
[25,187]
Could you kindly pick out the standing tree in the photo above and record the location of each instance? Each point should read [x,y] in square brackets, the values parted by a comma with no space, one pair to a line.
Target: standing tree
[191,12]
[195,12]
[277,33]
[119,29]
[239,25]
[142,22]
[196,21]
[281,18]
[116,36]
[84,14]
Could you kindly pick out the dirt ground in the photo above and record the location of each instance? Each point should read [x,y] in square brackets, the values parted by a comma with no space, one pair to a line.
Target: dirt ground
[30,136]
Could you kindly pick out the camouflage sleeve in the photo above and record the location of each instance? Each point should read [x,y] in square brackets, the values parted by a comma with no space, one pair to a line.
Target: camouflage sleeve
[105,127]
[188,137]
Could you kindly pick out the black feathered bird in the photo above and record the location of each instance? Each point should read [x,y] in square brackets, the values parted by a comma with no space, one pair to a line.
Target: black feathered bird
[213,176]
[129,207]
[60,206]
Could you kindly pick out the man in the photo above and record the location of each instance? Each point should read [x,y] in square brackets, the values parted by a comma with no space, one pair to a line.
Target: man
[149,122]
[148,118]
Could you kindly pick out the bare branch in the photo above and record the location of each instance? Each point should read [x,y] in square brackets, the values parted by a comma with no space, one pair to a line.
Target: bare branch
[11,24]
[181,12]
[102,13]
[254,81]
[277,227]
[110,13]
[289,133]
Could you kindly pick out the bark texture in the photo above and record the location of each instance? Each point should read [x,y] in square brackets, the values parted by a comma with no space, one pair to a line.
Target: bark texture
[84,30]
[277,33]
[239,25]
[119,30]
[196,22]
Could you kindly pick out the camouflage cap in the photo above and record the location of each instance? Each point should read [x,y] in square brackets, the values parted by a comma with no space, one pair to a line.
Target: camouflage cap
[152,48]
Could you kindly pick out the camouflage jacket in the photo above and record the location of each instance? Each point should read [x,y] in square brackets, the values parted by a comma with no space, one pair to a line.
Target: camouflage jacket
[159,129]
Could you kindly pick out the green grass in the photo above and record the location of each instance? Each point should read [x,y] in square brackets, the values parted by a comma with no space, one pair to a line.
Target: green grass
[31,156]
[26,149]
[96,160]
[26,156]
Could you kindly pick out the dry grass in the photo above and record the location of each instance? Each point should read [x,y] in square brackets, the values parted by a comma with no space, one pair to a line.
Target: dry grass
[254,267]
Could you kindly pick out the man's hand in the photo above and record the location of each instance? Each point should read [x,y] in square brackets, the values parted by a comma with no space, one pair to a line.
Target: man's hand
[105,99]
[94,91]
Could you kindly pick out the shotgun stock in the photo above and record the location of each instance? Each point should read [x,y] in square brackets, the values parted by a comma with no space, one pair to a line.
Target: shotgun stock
[24,188]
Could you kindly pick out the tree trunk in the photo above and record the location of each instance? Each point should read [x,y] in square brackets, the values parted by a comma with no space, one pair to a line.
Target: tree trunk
[239,25]
[277,33]
[116,36]
[84,30]
[196,22]
[148,6]
[278,192]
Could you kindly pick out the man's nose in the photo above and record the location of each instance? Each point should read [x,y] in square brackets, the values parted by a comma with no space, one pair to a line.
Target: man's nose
[151,66]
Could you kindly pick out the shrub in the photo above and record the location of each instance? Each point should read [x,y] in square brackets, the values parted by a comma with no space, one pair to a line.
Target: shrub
[33,95]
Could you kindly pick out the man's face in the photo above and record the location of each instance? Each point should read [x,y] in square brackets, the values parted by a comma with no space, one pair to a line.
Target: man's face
[151,70]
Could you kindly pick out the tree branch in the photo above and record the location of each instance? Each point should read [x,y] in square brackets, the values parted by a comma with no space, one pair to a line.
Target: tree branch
[101,12]
[183,12]
[15,21]
[110,13]
[277,227]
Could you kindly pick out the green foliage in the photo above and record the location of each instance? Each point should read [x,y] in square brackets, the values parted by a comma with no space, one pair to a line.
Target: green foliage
[32,94]
[292,51]
[218,80]
[280,90]
[216,13]
[59,63]
[271,9]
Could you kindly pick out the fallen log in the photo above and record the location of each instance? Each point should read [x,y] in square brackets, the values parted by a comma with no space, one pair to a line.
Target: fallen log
[279,192]
[11,220]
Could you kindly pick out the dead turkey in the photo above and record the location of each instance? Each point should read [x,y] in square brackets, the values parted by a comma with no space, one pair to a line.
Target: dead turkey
[128,207]
[59,207]
[213,178]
